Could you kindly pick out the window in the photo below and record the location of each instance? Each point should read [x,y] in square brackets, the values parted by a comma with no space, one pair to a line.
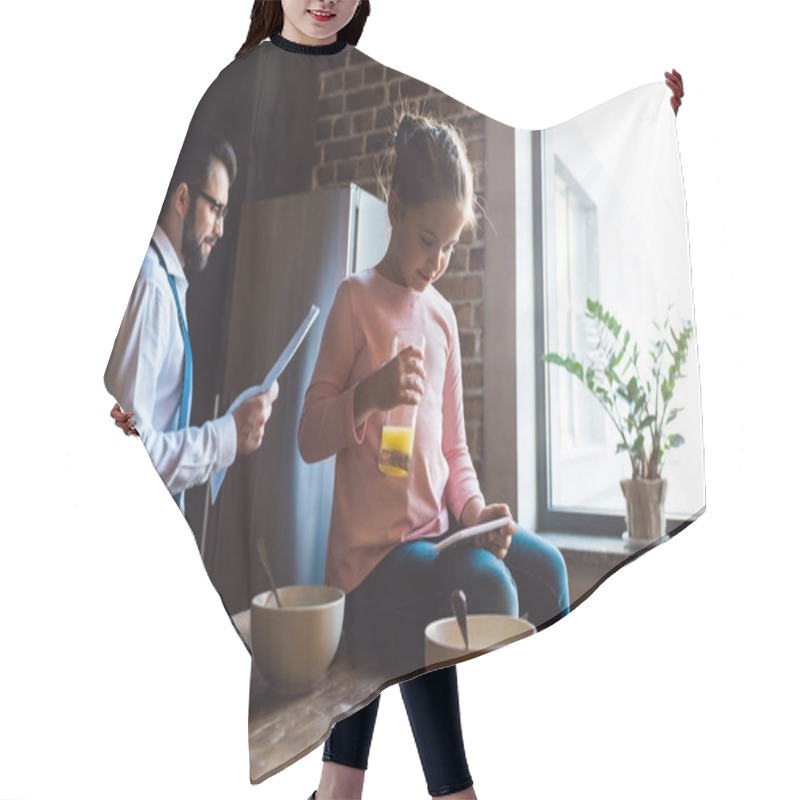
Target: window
[590,213]
[577,426]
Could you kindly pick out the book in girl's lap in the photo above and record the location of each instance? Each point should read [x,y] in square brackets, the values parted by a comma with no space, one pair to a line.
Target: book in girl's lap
[383,528]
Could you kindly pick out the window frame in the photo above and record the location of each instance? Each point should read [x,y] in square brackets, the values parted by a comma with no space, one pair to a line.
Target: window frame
[548,519]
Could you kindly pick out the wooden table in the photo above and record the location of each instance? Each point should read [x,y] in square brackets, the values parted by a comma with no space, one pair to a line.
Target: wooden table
[282,729]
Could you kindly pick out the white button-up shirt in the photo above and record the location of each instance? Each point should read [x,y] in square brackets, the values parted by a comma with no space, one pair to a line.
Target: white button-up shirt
[145,375]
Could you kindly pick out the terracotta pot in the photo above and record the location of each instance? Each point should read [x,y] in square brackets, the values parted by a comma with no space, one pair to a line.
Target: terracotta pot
[645,513]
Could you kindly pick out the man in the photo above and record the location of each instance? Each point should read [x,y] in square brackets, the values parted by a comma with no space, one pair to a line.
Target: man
[150,369]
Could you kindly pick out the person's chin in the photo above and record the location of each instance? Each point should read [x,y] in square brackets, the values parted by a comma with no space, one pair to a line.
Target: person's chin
[316,32]
[421,283]
[201,261]
[194,266]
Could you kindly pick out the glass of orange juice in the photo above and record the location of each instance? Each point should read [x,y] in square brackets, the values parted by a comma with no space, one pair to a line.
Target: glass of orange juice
[397,438]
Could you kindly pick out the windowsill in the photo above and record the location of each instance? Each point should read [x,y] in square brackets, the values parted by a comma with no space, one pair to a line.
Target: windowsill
[597,549]
[590,560]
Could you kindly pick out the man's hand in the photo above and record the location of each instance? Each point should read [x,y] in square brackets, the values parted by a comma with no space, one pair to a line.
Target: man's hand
[675,82]
[124,420]
[251,417]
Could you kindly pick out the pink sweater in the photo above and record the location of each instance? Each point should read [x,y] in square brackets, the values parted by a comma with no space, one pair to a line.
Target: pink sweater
[372,512]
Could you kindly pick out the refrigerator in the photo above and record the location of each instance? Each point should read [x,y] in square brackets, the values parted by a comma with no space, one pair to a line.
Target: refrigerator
[291,252]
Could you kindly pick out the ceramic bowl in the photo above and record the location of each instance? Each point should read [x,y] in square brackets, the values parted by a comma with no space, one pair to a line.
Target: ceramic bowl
[444,642]
[293,646]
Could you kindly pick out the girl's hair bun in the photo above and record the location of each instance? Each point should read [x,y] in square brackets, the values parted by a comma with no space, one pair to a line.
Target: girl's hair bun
[408,126]
[428,161]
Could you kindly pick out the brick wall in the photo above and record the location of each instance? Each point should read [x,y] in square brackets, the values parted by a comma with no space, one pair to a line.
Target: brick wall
[354,128]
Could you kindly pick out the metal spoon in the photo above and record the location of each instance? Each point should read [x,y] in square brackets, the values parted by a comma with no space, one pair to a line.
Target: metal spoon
[458,602]
[262,554]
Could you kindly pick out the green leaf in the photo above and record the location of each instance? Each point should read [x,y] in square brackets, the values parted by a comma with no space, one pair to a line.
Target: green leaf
[576,368]
[672,415]
[604,396]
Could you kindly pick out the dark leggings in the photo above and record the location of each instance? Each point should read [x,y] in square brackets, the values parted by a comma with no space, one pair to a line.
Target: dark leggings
[388,612]
[431,702]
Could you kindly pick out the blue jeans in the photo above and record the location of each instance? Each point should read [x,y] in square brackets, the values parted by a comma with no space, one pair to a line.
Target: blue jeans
[387,612]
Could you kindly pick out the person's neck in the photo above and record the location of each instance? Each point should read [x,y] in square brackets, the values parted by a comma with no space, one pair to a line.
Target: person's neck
[293,34]
[174,231]
[388,268]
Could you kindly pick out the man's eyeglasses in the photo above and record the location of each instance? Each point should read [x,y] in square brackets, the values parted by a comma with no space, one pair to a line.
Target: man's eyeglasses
[218,208]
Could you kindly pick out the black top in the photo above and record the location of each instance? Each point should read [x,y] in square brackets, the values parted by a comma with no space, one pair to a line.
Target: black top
[310,49]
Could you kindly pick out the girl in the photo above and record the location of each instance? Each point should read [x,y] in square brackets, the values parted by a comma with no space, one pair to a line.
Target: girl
[383,529]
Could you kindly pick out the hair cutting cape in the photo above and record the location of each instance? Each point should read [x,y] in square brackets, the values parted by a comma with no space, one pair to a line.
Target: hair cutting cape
[561,353]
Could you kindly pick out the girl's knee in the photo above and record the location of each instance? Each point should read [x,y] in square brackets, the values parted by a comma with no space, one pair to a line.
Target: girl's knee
[555,565]
[486,581]
[538,559]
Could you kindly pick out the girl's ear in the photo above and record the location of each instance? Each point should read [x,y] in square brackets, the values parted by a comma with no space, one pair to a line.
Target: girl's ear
[395,206]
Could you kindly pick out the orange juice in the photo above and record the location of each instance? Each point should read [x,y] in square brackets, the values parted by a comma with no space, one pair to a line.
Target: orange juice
[396,445]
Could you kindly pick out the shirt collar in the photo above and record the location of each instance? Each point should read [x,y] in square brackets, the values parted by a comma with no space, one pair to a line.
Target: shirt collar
[171,259]
[308,49]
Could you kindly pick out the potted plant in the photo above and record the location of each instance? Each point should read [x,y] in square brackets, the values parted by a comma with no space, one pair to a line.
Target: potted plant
[639,408]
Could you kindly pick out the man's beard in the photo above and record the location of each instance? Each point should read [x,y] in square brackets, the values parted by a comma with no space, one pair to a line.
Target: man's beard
[194,259]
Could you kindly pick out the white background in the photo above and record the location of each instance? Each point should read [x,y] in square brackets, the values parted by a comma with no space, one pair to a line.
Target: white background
[120,674]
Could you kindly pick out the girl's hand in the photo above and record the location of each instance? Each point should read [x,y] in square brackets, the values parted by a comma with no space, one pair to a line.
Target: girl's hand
[498,541]
[675,82]
[124,420]
[399,382]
